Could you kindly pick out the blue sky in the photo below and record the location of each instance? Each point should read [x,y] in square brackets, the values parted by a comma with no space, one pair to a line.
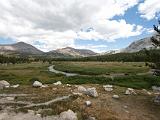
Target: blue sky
[99,25]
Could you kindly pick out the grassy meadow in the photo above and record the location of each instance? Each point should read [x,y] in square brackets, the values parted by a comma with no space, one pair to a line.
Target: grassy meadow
[99,68]
[89,73]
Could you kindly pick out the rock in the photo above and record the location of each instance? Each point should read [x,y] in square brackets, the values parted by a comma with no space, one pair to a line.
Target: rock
[31,112]
[81,89]
[125,106]
[57,83]
[91,118]
[15,86]
[88,103]
[76,93]
[68,115]
[115,96]
[108,88]
[4,84]
[92,92]
[149,93]
[54,89]
[10,98]
[130,91]
[44,86]
[68,85]
[157,99]
[37,84]
[156,89]
[127,92]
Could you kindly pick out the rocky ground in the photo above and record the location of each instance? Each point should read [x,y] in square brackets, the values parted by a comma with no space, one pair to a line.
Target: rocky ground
[72,102]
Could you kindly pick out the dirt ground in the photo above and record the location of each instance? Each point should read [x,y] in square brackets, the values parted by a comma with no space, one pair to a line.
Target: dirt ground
[103,107]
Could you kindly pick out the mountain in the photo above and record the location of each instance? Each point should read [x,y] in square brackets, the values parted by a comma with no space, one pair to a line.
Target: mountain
[139,45]
[19,48]
[72,52]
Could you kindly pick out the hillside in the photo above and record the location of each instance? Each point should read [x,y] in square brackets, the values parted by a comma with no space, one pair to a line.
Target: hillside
[19,48]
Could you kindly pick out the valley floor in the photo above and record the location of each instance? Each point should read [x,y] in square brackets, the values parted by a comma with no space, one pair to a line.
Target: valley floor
[47,102]
[103,107]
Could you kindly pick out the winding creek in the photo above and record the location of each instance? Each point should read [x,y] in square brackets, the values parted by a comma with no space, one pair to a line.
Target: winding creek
[51,69]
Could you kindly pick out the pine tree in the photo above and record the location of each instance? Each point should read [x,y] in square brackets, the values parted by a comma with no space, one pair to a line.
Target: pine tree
[156,42]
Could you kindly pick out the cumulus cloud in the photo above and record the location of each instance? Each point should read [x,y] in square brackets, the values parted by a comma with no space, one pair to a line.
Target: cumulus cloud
[95,48]
[149,8]
[51,24]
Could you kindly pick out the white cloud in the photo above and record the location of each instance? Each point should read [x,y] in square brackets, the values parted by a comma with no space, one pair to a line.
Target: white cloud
[149,8]
[58,23]
[109,30]
[95,48]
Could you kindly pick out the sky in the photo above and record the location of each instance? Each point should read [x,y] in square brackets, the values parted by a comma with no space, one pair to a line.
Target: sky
[98,25]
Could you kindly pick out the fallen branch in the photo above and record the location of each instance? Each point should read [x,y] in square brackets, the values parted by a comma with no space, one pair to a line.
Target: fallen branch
[49,102]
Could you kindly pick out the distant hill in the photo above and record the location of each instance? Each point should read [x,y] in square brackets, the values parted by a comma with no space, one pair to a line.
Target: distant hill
[72,52]
[25,49]
[19,48]
[139,45]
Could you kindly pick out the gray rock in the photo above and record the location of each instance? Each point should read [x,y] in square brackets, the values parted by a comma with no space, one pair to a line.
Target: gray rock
[57,83]
[156,89]
[92,92]
[37,84]
[15,86]
[91,118]
[4,84]
[130,91]
[108,88]
[81,89]
[115,96]
[157,99]
[68,115]
[88,103]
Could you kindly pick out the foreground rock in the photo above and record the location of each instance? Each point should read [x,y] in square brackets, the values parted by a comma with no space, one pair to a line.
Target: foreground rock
[157,99]
[68,115]
[88,103]
[81,89]
[58,83]
[91,92]
[108,88]
[37,84]
[130,91]
[4,84]
[115,96]
[15,86]
[156,89]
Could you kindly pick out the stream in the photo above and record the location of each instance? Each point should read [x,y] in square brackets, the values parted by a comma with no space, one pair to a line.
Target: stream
[51,69]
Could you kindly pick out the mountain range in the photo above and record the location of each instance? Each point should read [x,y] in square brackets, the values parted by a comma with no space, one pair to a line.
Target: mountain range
[24,48]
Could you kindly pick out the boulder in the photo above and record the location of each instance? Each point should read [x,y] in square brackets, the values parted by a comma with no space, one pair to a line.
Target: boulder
[81,89]
[91,92]
[37,84]
[44,86]
[68,115]
[108,88]
[115,96]
[4,84]
[57,83]
[88,103]
[157,99]
[91,118]
[127,92]
[130,91]
[156,89]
